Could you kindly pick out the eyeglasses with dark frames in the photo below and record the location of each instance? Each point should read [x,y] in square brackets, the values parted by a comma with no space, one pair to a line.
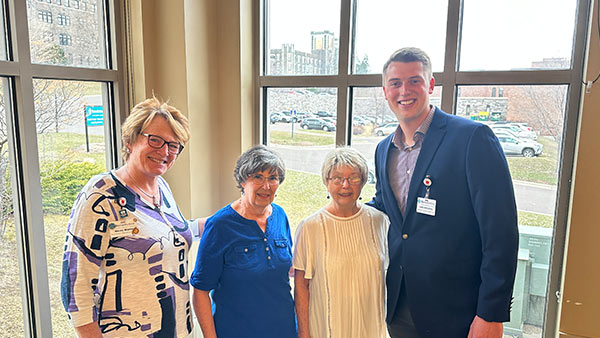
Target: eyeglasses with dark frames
[157,142]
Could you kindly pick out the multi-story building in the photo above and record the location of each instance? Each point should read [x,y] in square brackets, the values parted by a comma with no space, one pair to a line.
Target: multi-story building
[68,32]
[321,60]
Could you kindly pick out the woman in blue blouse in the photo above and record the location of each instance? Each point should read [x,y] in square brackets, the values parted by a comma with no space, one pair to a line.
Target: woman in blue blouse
[245,257]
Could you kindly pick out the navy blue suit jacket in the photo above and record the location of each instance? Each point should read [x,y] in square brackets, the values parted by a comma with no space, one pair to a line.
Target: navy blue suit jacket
[462,261]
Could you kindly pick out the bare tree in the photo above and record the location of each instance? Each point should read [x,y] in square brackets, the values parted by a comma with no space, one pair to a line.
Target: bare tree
[6,206]
[57,103]
[548,108]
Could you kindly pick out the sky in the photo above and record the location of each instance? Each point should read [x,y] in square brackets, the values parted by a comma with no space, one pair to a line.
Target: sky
[497,35]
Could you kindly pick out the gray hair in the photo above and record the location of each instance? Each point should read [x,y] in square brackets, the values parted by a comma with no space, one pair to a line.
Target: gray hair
[344,156]
[409,54]
[256,159]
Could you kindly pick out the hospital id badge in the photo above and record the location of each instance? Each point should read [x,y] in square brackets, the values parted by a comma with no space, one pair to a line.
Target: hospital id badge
[125,227]
[426,206]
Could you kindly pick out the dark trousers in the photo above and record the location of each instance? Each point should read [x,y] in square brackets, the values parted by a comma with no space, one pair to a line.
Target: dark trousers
[402,325]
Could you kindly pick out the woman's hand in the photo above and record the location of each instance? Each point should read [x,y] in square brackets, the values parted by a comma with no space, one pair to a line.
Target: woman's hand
[91,330]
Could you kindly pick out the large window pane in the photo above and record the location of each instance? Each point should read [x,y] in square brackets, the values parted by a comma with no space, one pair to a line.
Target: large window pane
[383,26]
[70,127]
[516,41]
[302,124]
[61,33]
[303,37]
[528,121]
[11,324]
[372,120]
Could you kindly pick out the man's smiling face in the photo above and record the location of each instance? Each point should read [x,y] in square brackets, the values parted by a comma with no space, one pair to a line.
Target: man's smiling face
[407,87]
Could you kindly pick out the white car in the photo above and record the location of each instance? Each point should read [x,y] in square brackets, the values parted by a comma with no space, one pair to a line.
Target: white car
[517,146]
[387,129]
[519,130]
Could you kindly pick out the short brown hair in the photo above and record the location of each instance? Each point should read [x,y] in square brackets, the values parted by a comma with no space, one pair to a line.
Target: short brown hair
[143,113]
[409,54]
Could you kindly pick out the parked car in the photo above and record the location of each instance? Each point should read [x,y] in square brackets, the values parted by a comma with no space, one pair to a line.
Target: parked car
[519,130]
[302,116]
[329,119]
[316,123]
[359,120]
[276,117]
[324,114]
[371,174]
[386,129]
[287,117]
[518,146]
[507,132]
[369,118]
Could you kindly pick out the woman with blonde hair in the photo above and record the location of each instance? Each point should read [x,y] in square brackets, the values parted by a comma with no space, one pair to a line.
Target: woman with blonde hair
[125,260]
[340,257]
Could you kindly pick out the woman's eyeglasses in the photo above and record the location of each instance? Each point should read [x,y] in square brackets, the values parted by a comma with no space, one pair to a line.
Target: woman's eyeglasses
[157,142]
[260,179]
[353,180]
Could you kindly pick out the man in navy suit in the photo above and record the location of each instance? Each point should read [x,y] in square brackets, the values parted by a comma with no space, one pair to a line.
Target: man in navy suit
[445,184]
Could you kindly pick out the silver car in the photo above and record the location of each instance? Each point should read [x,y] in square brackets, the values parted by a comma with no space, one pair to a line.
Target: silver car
[512,145]
[520,131]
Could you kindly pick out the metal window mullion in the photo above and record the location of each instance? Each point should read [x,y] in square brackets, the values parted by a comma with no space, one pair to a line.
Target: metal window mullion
[263,43]
[299,81]
[8,68]
[453,27]
[515,77]
[117,99]
[73,73]
[28,200]
[567,162]
[344,127]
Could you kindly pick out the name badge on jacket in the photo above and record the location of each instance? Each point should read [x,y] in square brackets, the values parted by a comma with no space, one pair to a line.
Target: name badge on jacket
[426,206]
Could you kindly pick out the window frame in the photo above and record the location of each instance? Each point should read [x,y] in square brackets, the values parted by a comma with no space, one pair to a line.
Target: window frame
[63,19]
[25,169]
[64,39]
[449,79]
[45,16]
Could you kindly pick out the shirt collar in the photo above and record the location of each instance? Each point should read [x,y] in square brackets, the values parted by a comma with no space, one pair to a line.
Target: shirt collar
[419,134]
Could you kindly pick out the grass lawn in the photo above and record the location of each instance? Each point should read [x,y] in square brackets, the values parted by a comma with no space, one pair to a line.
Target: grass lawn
[541,169]
[302,194]
[71,146]
[536,220]
[302,138]
[10,305]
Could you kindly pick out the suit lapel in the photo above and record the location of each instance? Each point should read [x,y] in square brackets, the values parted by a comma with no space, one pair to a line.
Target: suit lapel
[431,142]
[392,208]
